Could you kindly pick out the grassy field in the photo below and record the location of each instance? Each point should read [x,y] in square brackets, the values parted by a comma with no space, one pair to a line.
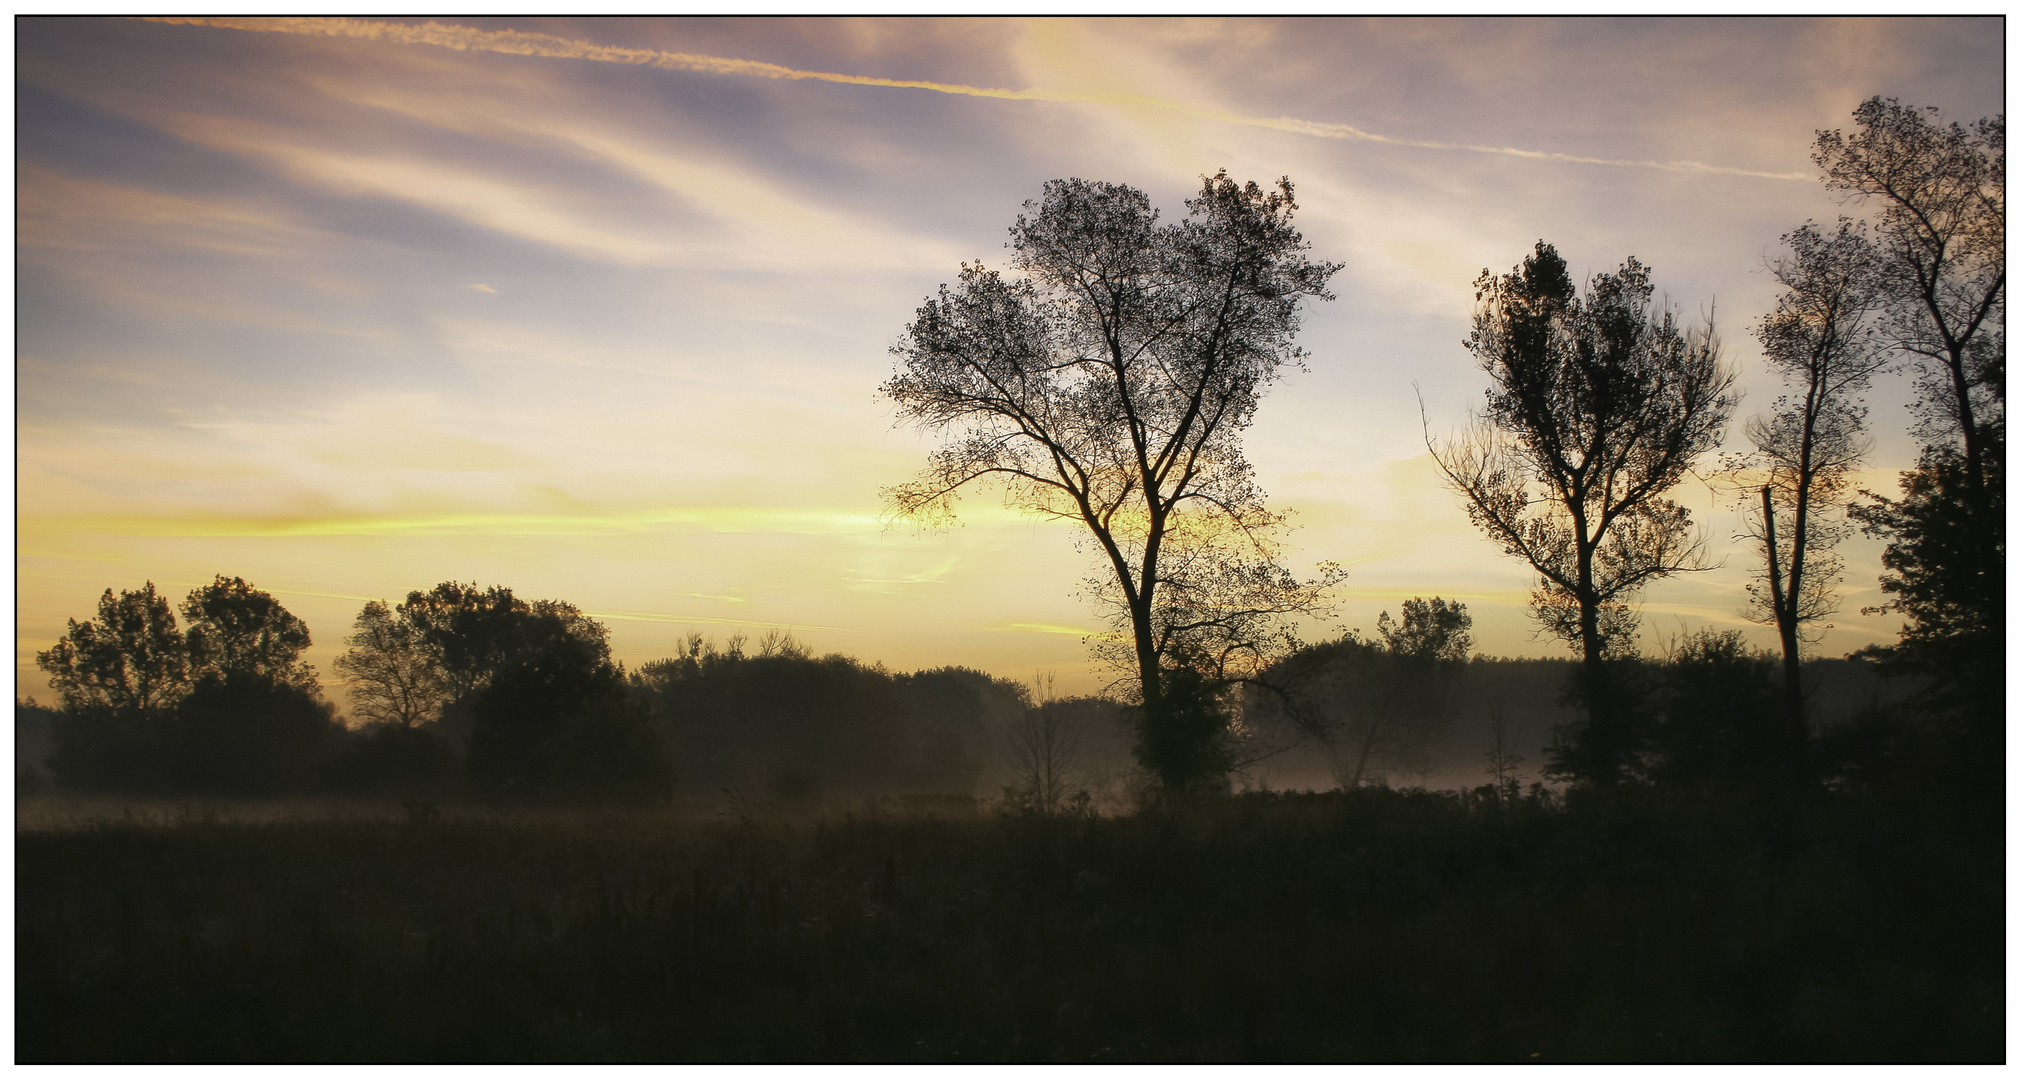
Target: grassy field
[1377,926]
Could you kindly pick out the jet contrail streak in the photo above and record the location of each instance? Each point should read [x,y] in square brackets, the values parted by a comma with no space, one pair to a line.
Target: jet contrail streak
[517,43]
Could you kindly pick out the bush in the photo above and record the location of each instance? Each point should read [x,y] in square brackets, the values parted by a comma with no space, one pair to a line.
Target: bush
[560,723]
[247,734]
[106,749]
[1718,712]
[799,728]
[394,758]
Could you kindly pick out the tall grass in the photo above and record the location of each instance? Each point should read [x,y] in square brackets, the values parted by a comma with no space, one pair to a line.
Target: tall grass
[1371,925]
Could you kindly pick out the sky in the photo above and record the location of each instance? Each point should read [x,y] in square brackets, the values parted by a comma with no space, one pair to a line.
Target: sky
[597,309]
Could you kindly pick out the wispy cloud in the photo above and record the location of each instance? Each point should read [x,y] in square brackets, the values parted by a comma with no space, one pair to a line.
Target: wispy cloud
[531,211]
[713,519]
[56,209]
[709,620]
[759,220]
[519,43]
[1043,628]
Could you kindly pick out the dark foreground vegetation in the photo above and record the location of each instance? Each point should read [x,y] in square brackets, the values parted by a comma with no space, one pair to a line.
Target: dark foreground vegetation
[1349,926]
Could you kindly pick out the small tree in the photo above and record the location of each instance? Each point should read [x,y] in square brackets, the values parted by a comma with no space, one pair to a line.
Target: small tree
[1385,701]
[1109,384]
[1044,741]
[1501,761]
[394,675]
[1946,565]
[1598,407]
[1798,482]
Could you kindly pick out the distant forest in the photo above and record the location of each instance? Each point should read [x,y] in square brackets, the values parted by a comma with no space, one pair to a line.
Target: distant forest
[521,700]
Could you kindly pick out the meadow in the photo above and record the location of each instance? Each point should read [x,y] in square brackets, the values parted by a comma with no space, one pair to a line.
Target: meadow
[1372,925]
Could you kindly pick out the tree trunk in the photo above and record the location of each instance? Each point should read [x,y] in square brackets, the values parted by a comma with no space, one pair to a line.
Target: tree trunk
[1367,751]
[1602,721]
[1784,605]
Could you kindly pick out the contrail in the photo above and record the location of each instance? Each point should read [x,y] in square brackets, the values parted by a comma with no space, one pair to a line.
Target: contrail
[517,43]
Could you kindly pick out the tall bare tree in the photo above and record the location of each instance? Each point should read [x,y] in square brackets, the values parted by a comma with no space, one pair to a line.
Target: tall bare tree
[1109,383]
[1938,196]
[1599,405]
[1797,483]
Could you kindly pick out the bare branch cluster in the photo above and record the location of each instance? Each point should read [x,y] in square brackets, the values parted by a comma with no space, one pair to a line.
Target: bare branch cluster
[1940,198]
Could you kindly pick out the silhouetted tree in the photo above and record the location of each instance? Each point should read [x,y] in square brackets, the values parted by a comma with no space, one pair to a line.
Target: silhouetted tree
[474,633]
[254,722]
[395,676]
[1432,635]
[1939,195]
[237,631]
[114,677]
[1109,384]
[1939,198]
[130,659]
[227,707]
[1821,338]
[1599,406]
[1946,563]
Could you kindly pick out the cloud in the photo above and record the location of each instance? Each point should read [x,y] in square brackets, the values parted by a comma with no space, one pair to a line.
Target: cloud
[481,287]
[528,211]
[759,221]
[649,616]
[750,221]
[725,519]
[518,43]
[55,209]
[1042,628]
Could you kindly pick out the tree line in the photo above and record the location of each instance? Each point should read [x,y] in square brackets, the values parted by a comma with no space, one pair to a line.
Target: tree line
[473,690]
